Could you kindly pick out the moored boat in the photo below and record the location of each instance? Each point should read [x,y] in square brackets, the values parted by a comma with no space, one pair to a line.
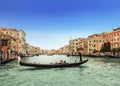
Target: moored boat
[6,61]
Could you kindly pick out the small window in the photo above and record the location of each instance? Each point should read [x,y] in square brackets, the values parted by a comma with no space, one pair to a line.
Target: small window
[117,39]
[4,42]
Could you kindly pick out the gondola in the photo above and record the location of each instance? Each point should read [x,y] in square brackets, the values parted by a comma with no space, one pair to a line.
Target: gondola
[53,65]
[6,61]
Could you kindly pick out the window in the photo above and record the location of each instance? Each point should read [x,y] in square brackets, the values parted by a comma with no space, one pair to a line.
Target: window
[114,40]
[4,42]
[117,39]
[117,34]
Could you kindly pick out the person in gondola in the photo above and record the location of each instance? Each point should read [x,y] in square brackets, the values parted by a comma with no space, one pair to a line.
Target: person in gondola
[18,58]
[80,55]
[8,53]
[0,53]
[61,62]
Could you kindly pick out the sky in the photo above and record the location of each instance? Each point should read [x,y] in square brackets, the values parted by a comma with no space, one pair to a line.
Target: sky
[50,24]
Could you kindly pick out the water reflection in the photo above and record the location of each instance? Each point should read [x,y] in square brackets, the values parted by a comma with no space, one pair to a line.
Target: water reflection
[96,72]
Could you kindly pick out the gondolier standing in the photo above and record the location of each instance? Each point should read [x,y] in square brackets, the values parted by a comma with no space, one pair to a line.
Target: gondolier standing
[80,55]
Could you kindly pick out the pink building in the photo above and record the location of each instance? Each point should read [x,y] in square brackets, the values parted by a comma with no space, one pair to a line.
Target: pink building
[114,38]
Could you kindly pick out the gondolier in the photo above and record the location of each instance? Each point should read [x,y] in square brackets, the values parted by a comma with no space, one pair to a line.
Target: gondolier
[79,53]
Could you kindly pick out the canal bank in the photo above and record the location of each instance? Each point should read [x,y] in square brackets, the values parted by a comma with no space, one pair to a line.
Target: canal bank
[97,72]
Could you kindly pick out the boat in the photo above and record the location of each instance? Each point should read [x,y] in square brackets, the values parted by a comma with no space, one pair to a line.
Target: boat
[6,61]
[53,65]
[49,54]
[68,55]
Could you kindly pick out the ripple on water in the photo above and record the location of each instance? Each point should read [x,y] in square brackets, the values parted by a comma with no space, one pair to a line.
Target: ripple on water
[97,72]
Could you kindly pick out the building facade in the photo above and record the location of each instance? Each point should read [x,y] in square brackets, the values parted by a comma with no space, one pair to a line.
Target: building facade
[95,43]
[113,38]
[14,40]
[22,41]
[79,43]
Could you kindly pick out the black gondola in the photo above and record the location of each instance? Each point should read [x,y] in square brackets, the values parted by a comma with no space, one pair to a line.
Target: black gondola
[6,61]
[53,65]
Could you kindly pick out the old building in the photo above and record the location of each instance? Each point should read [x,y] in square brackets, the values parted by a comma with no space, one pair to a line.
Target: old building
[5,41]
[31,50]
[76,44]
[10,31]
[22,41]
[60,51]
[17,38]
[36,51]
[66,49]
[95,42]
[113,38]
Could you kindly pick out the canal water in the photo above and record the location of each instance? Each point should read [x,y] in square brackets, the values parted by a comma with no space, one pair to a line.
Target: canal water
[96,72]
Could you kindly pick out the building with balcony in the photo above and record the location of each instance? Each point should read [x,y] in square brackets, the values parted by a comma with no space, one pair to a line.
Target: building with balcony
[17,38]
[79,43]
[113,38]
[10,31]
[66,49]
[95,42]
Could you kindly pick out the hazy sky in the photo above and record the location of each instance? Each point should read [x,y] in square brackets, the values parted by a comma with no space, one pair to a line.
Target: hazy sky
[50,24]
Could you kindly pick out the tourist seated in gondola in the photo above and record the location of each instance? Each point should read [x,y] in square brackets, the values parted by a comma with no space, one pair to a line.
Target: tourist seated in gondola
[56,63]
[62,61]
[18,59]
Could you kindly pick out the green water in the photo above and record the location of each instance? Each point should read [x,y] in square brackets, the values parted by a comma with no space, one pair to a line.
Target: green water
[96,72]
